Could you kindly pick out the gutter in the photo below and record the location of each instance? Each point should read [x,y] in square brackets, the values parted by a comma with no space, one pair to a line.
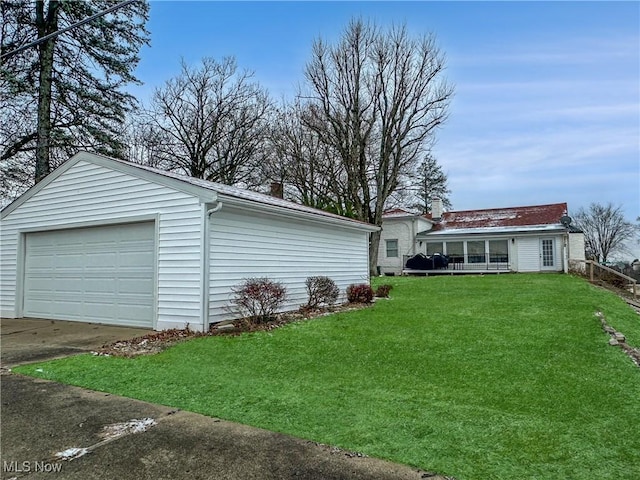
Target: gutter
[205,280]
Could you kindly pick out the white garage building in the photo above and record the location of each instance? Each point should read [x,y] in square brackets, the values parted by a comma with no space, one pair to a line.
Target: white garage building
[101,240]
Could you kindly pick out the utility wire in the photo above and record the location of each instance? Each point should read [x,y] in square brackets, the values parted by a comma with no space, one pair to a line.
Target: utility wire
[70,27]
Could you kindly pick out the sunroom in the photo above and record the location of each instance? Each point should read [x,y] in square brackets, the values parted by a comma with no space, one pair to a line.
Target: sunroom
[498,249]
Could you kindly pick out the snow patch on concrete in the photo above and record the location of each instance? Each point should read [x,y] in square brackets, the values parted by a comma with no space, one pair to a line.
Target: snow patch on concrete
[126,428]
[71,453]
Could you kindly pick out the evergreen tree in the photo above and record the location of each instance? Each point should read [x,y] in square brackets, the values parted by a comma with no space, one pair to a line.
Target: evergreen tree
[430,183]
[66,93]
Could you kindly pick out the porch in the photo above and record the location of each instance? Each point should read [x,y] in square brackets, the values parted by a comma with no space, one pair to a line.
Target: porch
[478,263]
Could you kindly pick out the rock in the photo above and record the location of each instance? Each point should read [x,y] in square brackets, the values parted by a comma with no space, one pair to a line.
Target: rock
[226,327]
[619,337]
[613,342]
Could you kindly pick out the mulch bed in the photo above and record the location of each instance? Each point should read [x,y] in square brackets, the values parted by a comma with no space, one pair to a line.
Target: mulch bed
[156,342]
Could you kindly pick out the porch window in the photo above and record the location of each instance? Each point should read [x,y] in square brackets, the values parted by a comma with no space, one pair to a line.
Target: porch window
[455,251]
[475,251]
[498,251]
[434,247]
[392,248]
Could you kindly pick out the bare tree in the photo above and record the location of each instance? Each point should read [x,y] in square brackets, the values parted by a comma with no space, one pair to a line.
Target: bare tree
[306,166]
[376,98]
[430,182]
[605,229]
[214,121]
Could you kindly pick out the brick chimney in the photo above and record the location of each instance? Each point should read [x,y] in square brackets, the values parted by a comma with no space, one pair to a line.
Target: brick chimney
[276,190]
[436,208]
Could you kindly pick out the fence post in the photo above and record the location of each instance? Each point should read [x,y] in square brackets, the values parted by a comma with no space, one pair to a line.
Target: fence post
[591,271]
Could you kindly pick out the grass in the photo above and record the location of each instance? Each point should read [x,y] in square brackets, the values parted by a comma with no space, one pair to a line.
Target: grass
[480,377]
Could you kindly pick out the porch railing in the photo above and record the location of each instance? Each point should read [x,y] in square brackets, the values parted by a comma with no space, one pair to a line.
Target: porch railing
[603,273]
[474,262]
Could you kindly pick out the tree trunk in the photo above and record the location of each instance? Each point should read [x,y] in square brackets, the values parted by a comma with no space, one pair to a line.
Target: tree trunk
[374,243]
[46,25]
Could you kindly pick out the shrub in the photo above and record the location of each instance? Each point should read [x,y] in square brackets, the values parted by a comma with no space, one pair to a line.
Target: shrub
[321,290]
[383,290]
[258,299]
[359,293]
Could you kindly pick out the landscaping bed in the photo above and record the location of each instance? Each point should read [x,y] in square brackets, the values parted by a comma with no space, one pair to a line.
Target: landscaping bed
[157,342]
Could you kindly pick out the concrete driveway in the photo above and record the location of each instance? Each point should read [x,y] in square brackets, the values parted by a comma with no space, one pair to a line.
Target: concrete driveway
[24,340]
[56,431]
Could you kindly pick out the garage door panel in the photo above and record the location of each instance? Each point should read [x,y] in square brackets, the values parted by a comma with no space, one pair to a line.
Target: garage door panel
[101,274]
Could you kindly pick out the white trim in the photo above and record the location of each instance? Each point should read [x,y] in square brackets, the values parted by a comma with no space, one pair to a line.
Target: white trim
[154,217]
[20,272]
[251,205]
[524,230]
[204,267]
[127,168]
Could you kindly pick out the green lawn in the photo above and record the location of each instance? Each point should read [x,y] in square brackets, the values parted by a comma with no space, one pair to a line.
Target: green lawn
[478,377]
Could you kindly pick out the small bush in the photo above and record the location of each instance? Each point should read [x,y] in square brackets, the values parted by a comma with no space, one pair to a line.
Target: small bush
[359,293]
[258,299]
[383,291]
[321,290]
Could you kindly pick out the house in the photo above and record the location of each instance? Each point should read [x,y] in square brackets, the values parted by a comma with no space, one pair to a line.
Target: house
[533,238]
[102,240]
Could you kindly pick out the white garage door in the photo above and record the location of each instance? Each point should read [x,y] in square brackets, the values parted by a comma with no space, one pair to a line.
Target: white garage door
[99,274]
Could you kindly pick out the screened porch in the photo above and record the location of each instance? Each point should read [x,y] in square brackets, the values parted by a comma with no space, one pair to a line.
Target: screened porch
[490,255]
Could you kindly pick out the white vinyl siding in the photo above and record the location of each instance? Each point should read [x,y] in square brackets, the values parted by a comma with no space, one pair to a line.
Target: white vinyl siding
[246,244]
[99,274]
[529,254]
[89,195]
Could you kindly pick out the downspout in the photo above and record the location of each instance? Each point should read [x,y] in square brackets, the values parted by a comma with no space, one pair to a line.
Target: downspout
[206,270]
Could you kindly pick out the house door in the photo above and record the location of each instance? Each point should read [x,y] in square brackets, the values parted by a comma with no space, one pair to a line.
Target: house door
[548,254]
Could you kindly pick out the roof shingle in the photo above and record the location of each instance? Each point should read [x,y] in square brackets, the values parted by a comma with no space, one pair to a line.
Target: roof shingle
[503,217]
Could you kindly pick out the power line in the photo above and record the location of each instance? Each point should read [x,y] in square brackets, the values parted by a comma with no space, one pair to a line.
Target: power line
[70,27]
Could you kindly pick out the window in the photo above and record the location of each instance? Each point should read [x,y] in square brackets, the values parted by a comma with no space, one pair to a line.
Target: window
[434,247]
[547,252]
[392,248]
[455,252]
[475,251]
[498,251]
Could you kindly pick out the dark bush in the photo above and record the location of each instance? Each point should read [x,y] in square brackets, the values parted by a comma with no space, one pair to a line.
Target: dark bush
[359,293]
[383,290]
[321,290]
[258,299]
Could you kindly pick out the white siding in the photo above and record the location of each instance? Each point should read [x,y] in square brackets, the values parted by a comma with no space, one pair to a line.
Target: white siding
[528,254]
[404,230]
[247,244]
[576,251]
[88,194]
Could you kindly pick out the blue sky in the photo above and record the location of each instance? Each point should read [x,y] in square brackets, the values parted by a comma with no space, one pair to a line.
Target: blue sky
[547,103]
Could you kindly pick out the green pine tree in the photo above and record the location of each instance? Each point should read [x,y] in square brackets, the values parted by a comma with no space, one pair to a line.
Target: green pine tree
[66,93]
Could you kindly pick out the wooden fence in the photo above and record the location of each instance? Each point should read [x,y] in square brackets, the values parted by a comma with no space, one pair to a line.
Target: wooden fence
[595,269]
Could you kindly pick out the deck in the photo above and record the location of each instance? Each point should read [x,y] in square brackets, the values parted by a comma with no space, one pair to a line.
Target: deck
[445,271]
[463,269]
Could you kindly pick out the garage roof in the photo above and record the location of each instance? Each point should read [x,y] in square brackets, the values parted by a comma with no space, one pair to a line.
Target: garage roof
[205,190]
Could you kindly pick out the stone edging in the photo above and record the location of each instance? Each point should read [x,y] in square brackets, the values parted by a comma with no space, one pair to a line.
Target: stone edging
[618,340]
